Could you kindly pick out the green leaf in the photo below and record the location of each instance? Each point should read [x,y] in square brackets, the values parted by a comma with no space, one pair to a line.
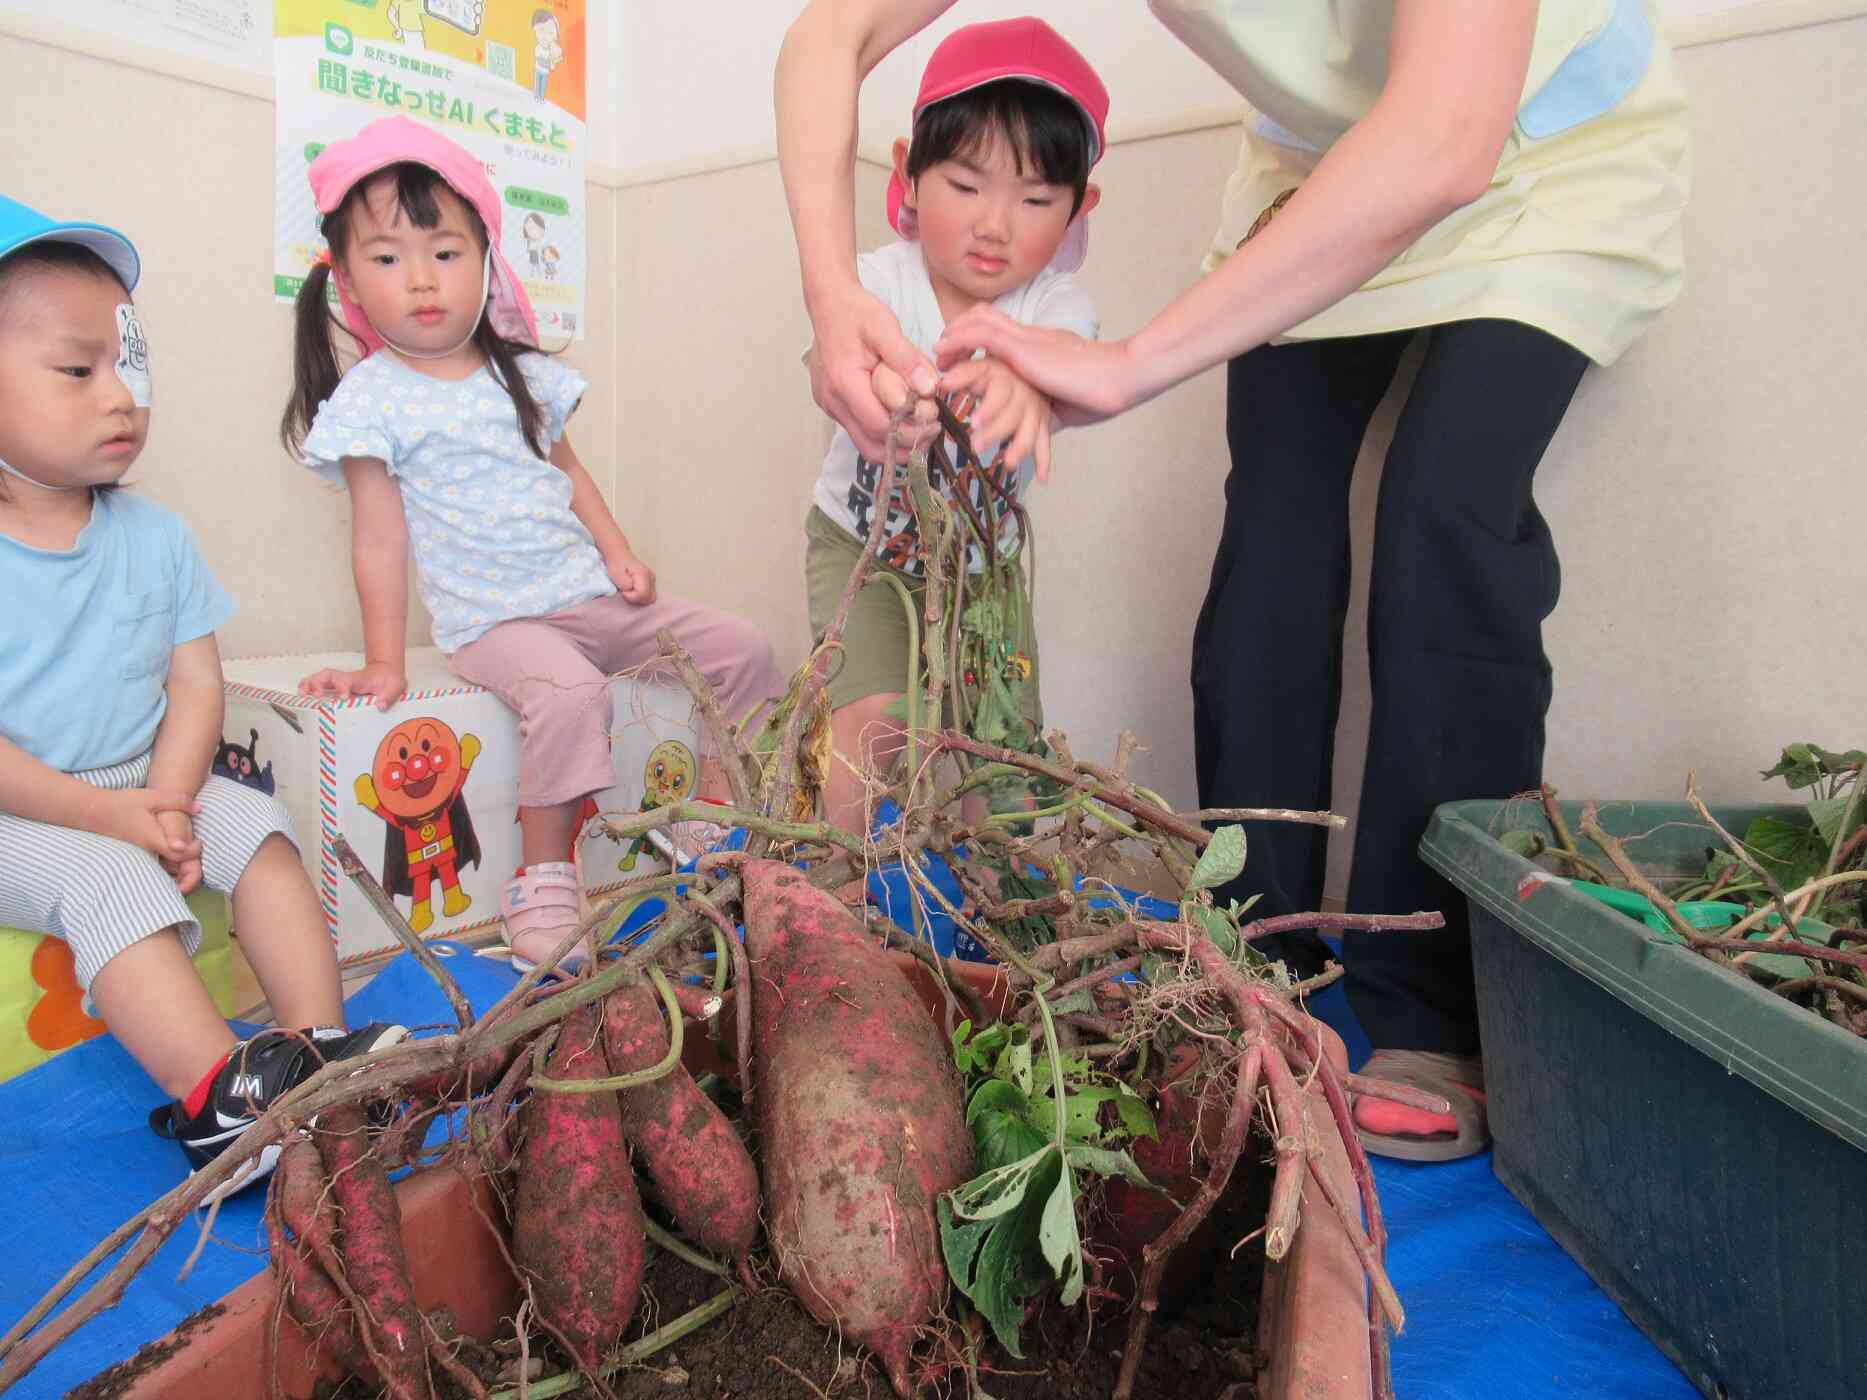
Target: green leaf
[1056,1234]
[1222,860]
[1015,1063]
[1002,1189]
[1218,928]
[1106,1162]
[1010,1267]
[1825,815]
[960,1244]
[1793,853]
[1835,762]
[994,1094]
[1075,1002]
[1528,844]
[1137,1119]
[1001,1131]
[1799,767]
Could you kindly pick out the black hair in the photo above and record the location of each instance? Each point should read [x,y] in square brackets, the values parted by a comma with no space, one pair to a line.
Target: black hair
[53,256]
[315,371]
[1044,129]
[49,255]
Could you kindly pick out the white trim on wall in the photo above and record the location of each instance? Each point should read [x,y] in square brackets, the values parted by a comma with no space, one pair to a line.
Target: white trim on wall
[1738,22]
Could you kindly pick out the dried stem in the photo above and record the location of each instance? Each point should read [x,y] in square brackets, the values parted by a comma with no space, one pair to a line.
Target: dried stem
[385,907]
[739,765]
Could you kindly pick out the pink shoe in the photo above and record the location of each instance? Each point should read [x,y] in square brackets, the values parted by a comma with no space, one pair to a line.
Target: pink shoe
[539,908]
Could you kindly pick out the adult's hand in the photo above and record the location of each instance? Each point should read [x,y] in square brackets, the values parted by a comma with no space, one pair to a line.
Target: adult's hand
[1085,380]
[862,368]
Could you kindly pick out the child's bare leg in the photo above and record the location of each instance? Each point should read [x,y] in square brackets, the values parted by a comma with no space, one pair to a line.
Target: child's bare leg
[863,733]
[545,832]
[161,1013]
[283,936]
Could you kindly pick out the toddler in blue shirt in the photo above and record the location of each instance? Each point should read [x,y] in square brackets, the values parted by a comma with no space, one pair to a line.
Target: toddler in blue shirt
[110,714]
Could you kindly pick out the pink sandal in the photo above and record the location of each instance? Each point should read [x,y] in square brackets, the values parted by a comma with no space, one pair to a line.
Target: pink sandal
[539,908]
[1390,1129]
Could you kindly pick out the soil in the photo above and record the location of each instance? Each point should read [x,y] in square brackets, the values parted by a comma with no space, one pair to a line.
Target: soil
[121,1378]
[1203,1343]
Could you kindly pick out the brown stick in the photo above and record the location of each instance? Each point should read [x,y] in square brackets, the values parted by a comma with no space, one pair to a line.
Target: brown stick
[734,759]
[1616,852]
[1158,817]
[385,907]
[1378,923]
[1748,861]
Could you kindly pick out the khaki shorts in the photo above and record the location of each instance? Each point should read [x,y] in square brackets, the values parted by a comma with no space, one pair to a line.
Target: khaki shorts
[875,641]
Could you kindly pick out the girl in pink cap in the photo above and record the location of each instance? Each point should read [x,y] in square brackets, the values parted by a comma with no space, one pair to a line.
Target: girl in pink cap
[991,197]
[449,433]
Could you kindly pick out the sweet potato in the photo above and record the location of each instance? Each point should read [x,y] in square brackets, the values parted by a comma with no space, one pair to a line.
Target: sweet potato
[301,1205]
[703,1173]
[577,1227]
[860,1114]
[370,1243]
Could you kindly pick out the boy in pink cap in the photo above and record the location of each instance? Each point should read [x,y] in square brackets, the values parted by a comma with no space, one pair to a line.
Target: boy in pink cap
[991,197]
[450,434]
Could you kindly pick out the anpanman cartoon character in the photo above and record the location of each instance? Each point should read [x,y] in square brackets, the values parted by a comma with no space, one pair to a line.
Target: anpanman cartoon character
[415,786]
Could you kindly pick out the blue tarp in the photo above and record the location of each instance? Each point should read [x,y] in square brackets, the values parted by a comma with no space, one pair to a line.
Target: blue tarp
[1496,1310]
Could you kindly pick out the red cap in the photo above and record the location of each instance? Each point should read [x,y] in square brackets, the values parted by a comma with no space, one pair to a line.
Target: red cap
[1026,50]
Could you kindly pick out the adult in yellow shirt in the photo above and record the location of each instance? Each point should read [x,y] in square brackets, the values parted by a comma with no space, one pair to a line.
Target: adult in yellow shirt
[1503,177]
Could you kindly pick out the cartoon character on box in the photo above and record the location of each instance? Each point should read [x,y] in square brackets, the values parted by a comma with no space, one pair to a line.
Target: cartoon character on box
[668,776]
[242,764]
[415,786]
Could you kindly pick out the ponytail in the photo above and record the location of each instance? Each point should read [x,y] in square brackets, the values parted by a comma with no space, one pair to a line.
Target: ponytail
[502,358]
[315,373]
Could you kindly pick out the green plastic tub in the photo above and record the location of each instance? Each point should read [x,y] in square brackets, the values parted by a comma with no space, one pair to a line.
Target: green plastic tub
[1698,1144]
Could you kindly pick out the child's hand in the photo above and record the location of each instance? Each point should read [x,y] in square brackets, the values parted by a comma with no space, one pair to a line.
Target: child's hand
[140,817]
[633,579]
[892,390]
[186,870]
[386,683]
[1006,410]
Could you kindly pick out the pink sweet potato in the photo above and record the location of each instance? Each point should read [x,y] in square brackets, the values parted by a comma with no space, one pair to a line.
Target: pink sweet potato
[577,1226]
[701,1169]
[860,1114]
[301,1205]
[370,1243]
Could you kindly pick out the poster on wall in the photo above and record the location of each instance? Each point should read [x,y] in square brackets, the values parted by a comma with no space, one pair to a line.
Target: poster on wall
[506,79]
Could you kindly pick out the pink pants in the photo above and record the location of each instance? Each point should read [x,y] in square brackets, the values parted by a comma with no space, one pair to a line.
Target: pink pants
[555,672]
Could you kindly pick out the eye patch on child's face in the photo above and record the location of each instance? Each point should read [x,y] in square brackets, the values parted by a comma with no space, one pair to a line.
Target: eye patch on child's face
[133,356]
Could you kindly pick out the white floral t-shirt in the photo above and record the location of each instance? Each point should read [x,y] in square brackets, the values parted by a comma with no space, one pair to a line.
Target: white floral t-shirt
[489,521]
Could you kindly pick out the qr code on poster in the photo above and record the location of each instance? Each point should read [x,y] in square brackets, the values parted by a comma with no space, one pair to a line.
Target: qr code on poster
[569,319]
[502,60]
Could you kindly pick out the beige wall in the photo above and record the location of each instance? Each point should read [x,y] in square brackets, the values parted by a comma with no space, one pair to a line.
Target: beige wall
[1705,493]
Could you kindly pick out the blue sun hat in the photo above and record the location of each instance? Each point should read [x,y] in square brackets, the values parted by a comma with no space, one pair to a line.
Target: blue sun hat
[20,226]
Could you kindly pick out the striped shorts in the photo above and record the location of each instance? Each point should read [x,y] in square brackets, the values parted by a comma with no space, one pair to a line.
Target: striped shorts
[101,895]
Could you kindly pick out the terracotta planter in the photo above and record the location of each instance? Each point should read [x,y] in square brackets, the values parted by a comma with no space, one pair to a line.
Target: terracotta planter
[1314,1321]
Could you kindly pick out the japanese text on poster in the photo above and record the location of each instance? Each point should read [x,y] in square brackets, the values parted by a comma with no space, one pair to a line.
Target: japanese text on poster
[506,79]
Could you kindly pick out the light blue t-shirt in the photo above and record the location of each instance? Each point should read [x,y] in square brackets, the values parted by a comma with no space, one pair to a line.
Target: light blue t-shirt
[489,520]
[86,633]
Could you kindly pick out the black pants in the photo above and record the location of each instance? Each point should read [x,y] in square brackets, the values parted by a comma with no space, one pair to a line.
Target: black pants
[1464,573]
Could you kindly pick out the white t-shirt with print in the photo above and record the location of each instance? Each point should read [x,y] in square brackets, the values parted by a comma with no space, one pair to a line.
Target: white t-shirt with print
[897,274]
[489,520]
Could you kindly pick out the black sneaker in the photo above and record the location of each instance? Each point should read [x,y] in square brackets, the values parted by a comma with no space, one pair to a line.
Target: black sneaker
[259,1071]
